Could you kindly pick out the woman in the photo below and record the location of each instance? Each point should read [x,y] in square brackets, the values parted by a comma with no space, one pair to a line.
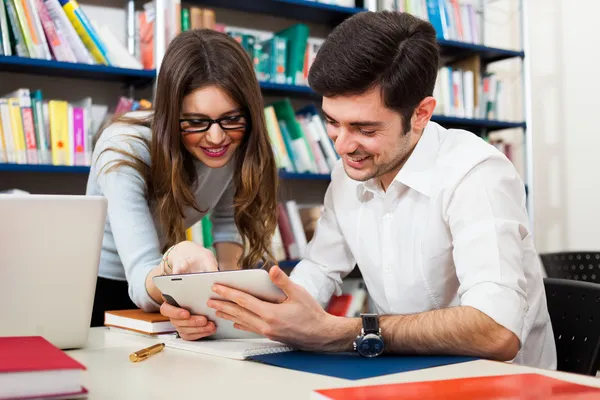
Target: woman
[203,149]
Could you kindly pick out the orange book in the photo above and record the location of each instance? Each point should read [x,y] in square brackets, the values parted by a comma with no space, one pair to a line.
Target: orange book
[504,387]
[138,321]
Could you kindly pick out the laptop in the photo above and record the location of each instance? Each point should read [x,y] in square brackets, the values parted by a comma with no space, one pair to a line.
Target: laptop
[49,254]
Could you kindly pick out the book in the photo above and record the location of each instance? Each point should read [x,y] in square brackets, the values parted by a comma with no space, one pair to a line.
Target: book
[236,349]
[504,387]
[138,321]
[32,367]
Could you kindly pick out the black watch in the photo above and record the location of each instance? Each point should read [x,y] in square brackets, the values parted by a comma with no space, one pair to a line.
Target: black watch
[370,342]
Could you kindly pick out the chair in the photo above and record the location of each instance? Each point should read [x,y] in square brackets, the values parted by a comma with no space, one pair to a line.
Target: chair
[579,266]
[574,309]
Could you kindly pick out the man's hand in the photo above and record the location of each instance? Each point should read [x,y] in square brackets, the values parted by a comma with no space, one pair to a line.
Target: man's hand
[298,321]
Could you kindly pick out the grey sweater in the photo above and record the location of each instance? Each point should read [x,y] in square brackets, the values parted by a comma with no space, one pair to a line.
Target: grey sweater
[132,241]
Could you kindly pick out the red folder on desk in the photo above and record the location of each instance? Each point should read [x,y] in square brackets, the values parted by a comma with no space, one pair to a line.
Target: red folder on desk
[504,387]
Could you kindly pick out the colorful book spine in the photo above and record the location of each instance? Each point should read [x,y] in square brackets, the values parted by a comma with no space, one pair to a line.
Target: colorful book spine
[86,31]
[64,26]
[56,41]
[9,141]
[28,33]
[4,34]
[14,108]
[58,111]
[79,136]
[185,20]
[42,136]
[35,25]
[15,24]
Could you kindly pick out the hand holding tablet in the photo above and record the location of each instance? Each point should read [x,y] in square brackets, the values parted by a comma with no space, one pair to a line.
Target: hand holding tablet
[186,296]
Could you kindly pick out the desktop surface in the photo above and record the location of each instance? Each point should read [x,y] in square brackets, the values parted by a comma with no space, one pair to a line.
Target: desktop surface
[178,374]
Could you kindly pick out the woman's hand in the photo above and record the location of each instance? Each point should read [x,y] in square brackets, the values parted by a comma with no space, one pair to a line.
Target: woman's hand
[184,258]
[189,327]
[187,257]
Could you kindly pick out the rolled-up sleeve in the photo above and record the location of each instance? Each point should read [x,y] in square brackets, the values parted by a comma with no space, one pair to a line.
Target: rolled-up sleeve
[328,258]
[488,222]
[222,218]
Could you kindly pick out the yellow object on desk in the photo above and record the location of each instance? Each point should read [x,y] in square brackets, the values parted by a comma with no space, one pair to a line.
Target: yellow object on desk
[142,354]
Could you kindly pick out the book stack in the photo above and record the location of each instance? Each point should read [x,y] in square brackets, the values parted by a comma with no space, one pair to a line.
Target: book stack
[299,139]
[36,130]
[59,30]
[138,322]
[463,91]
[282,57]
[452,19]
[31,367]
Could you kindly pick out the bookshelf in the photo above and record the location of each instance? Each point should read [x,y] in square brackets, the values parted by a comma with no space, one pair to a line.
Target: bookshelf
[80,169]
[131,77]
[292,11]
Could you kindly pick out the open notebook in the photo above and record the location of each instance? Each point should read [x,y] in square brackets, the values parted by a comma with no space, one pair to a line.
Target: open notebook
[237,349]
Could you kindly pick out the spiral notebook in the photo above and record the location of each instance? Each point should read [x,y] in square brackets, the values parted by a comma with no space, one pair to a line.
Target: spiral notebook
[237,349]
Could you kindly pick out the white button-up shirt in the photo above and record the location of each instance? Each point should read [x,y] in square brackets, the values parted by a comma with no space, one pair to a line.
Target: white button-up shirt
[451,230]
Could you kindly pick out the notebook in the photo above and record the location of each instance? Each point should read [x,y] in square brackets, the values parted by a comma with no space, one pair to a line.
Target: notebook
[236,349]
[138,321]
[30,366]
[504,387]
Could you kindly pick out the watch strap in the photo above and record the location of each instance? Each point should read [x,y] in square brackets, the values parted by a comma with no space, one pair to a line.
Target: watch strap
[370,323]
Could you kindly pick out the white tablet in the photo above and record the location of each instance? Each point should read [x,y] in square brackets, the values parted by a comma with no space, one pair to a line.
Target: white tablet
[192,292]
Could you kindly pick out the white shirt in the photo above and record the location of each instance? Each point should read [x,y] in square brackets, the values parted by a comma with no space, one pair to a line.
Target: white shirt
[452,229]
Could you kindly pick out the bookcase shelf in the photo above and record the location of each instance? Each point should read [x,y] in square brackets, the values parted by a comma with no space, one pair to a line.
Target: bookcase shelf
[136,77]
[303,176]
[287,90]
[454,50]
[303,10]
[48,168]
[475,123]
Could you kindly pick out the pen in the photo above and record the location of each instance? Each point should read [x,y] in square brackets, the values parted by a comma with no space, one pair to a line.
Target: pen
[142,354]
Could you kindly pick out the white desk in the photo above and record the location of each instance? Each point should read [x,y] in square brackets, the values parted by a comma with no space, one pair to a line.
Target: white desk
[178,374]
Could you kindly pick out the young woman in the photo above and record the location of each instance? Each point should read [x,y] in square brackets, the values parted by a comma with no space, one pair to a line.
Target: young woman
[203,149]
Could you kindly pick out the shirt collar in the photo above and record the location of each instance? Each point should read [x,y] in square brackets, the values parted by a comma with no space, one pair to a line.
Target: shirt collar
[417,172]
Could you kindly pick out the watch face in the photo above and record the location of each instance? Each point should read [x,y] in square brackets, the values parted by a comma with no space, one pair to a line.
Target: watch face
[370,346]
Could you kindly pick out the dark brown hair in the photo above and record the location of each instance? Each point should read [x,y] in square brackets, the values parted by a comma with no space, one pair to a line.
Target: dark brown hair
[395,51]
[196,59]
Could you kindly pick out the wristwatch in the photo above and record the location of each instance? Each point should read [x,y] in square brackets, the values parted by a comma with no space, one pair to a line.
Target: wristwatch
[370,342]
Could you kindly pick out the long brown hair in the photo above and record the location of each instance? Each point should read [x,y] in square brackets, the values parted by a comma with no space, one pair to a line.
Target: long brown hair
[193,60]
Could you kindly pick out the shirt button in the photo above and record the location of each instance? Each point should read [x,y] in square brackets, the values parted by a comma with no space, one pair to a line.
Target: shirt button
[388,216]
[388,271]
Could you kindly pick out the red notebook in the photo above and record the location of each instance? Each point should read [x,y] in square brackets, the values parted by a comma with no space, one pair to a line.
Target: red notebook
[30,366]
[505,387]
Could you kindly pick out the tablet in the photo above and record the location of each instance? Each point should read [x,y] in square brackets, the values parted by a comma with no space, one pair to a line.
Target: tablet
[192,292]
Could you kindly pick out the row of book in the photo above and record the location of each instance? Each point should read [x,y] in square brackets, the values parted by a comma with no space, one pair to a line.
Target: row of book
[295,227]
[59,30]
[299,139]
[35,130]
[279,57]
[463,91]
[452,19]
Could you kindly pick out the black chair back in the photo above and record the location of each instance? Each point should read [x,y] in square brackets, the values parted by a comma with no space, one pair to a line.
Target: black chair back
[574,309]
[579,266]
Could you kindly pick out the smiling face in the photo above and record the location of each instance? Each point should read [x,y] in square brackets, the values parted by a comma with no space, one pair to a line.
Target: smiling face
[215,146]
[368,136]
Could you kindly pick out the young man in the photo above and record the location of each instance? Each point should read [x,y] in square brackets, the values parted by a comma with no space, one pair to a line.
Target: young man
[435,219]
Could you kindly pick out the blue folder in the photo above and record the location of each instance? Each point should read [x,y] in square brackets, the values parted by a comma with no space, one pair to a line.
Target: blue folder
[352,366]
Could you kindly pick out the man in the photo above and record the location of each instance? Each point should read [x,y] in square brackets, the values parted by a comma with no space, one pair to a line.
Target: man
[435,219]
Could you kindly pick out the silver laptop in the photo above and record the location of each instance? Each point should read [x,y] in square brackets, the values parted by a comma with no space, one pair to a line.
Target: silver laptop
[49,254]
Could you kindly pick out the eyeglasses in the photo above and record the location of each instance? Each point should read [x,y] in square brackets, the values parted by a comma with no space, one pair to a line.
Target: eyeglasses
[198,125]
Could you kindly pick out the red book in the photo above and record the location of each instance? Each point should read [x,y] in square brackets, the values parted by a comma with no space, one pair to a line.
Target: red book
[30,366]
[504,387]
